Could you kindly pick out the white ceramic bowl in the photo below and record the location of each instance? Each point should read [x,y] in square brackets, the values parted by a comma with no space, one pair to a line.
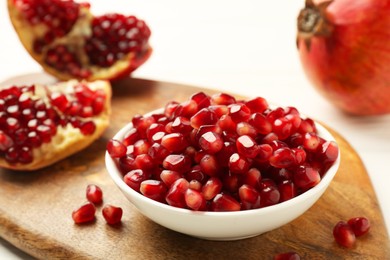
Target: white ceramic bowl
[222,225]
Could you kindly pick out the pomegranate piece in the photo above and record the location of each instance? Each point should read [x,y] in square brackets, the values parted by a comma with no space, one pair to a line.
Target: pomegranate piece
[68,41]
[37,120]
[359,225]
[116,148]
[84,214]
[112,214]
[344,235]
[219,154]
[94,194]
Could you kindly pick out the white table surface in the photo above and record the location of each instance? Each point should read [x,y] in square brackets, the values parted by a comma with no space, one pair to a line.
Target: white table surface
[245,47]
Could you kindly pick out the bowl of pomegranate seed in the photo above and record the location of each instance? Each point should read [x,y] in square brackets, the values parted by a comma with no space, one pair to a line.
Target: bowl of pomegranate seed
[219,168]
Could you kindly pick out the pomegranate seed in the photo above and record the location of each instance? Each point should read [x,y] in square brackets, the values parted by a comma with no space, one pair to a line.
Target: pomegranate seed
[226,123]
[344,235]
[195,185]
[141,147]
[169,177]
[257,104]
[282,158]
[179,163]
[225,202]
[239,112]
[287,190]
[94,194]
[211,188]
[250,197]
[84,214]
[194,199]
[116,148]
[246,146]
[238,164]
[287,256]
[306,177]
[134,178]
[175,194]
[270,195]
[209,165]
[222,99]
[311,141]
[203,117]
[252,178]
[174,142]
[359,225]
[112,214]
[211,142]
[202,100]
[153,189]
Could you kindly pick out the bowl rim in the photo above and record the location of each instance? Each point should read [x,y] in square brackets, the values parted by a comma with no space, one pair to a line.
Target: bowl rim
[326,179]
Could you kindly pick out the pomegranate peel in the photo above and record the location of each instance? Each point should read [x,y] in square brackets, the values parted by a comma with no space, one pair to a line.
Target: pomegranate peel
[72,44]
[343,47]
[33,140]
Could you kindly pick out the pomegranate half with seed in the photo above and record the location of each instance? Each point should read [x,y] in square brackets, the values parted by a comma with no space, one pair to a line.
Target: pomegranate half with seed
[220,168]
[40,125]
[68,41]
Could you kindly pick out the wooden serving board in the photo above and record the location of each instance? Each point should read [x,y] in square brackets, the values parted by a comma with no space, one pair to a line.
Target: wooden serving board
[36,207]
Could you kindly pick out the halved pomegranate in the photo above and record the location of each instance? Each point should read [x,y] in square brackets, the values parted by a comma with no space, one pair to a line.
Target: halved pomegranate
[69,42]
[40,125]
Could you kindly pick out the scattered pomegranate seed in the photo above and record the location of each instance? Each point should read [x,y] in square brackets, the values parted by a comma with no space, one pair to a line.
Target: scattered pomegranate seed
[219,154]
[359,225]
[84,214]
[287,256]
[94,194]
[112,214]
[344,235]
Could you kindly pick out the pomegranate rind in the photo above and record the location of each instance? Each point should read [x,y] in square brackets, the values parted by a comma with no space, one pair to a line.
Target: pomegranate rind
[68,140]
[81,29]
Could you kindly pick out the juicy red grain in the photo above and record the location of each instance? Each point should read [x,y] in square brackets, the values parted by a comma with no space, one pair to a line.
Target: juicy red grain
[84,214]
[94,194]
[216,153]
[112,214]
[116,148]
[344,235]
[287,256]
[359,225]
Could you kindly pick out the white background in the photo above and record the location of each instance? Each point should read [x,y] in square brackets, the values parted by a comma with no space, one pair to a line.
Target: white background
[245,47]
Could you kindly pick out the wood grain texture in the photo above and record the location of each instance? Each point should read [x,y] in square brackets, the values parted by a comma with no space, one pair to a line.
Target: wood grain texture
[35,207]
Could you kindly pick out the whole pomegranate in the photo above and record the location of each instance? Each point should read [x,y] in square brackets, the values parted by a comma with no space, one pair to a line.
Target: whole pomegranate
[344,47]
[69,42]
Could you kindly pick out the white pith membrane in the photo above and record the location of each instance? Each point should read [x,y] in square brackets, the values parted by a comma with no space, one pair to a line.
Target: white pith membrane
[68,139]
[74,40]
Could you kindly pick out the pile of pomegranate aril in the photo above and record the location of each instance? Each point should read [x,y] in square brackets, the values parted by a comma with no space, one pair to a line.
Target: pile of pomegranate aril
[28,121]
[216,153]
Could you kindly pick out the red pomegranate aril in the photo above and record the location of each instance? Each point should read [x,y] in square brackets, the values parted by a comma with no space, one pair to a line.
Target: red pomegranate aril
[169,177]
[282,158]
[226,123]
[225,202]
[328,153]
[274,114]
[244,128]
[112,214]
[287,190]
[175,194]
[144,162]
[211,188]
[300,155]
[134,178]
[264,152]
[252,178]
[209,165]
[25,155]
[249,196]
[344,235]
[306,177]
[219,110]
[246,146]
[282,128]
[204,129]
[153,189]
[196,174]
[257,104]
[177,162]
[211,142]
[270,195]
[84,214]
[231,182]
[311,141]
[59,100]
[12,155]
[5,141]
[287,256]
[158,152]
[181,125]
[203,117]
[238,164]
[195,185]
[141,146]
[194,200]
[222,99]
[239,112]
[94,194]
[175,142]
[153,129]
[131,137]
[202,100]
[116,149]
[359,225]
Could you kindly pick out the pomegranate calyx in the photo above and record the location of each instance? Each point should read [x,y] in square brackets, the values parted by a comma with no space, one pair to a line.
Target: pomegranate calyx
[313,22]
